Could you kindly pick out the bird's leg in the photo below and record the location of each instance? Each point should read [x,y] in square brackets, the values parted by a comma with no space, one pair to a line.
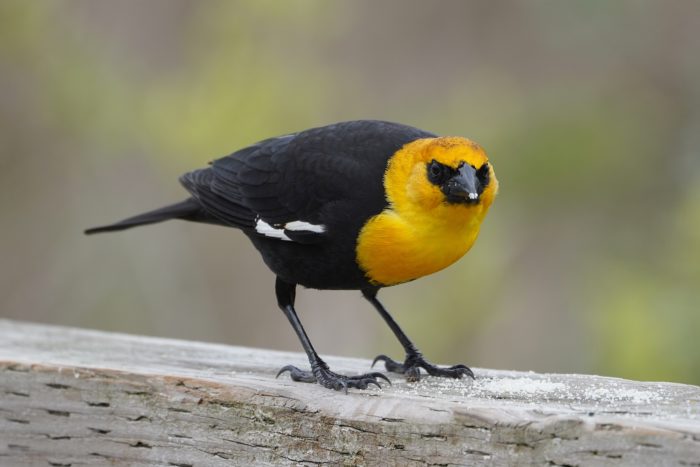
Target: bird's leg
[414,359]
[320,373]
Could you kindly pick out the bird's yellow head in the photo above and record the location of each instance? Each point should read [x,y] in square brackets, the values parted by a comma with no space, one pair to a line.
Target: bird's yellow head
[439,190]
[445,178]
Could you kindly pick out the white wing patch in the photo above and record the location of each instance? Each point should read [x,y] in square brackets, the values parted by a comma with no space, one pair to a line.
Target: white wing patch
[268,230]
[301,226]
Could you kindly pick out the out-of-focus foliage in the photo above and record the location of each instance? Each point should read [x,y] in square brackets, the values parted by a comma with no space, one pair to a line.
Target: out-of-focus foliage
[590,111]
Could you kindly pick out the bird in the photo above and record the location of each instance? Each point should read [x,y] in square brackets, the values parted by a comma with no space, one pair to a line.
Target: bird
[356,205]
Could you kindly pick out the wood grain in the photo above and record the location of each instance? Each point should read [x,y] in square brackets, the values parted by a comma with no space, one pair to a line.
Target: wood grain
[72,397]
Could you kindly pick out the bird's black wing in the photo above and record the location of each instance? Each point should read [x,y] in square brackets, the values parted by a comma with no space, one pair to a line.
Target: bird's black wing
[283,187]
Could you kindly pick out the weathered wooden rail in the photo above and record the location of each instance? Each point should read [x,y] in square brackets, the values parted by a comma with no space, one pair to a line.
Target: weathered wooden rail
[72,397]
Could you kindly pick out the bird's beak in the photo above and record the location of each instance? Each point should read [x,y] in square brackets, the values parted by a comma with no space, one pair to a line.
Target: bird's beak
[463,187]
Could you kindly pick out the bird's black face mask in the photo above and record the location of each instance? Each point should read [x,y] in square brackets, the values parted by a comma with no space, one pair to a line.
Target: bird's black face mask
[461,186]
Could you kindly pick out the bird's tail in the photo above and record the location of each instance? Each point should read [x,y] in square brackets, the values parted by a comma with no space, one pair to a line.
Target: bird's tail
[187,210]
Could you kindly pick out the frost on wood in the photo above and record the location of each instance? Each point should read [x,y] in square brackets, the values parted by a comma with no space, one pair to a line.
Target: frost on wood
[73,397]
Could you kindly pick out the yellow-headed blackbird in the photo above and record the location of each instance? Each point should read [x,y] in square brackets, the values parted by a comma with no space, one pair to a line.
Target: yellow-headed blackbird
[356,205]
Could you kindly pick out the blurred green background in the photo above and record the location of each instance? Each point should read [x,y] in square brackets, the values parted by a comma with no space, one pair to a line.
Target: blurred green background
[590,111]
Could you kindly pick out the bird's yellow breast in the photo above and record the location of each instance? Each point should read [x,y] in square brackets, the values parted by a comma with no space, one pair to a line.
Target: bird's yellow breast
[419,233]
[392,251]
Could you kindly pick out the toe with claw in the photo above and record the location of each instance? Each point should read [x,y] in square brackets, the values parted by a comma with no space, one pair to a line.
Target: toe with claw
[322,375]
[415,361]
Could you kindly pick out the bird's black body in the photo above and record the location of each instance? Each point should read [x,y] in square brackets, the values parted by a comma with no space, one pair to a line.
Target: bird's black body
[302,199]
[319,176]
[327,176]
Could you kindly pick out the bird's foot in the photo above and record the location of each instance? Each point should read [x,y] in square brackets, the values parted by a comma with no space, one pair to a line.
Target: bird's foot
[415,361]
[322,375]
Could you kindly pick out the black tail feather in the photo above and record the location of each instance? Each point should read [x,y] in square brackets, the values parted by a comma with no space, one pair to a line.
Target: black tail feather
[187,210]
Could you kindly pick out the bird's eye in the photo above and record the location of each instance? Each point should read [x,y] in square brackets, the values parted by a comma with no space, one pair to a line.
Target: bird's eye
[436,172]
[483,174]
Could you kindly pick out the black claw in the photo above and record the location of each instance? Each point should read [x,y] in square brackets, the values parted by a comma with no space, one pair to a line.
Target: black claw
[375,382]
[463,370]
[456,371]
[369,379]
[390,364]
[298,375]
[380,358]
[379,375]
[288,368]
